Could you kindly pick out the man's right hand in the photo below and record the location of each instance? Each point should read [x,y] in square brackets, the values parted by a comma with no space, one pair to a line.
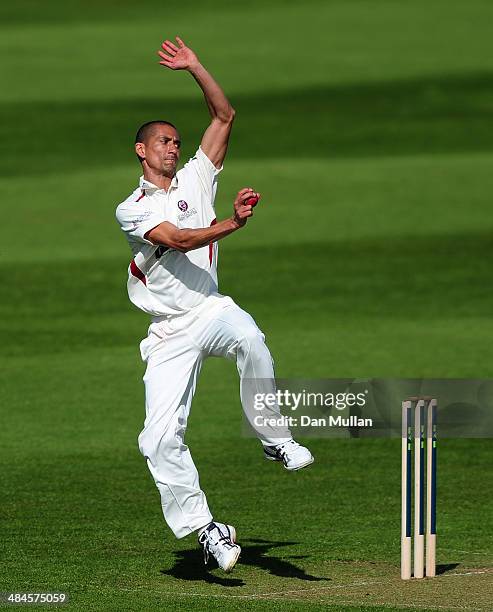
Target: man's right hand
[177,58]
[243,210]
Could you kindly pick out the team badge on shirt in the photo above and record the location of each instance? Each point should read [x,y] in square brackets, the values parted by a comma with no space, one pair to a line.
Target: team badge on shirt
[182,205]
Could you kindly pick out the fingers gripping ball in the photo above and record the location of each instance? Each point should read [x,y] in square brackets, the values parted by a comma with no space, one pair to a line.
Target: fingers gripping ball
[252,201]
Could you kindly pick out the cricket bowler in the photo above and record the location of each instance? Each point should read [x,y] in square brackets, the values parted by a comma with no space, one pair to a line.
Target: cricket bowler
[171,227]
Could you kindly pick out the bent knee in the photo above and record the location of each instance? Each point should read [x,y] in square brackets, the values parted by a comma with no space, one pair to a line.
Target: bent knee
[251,337]
[251,345]
[155,443]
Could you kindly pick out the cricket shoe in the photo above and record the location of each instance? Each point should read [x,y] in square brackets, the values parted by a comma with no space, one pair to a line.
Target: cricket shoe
[219,540]
[293,455]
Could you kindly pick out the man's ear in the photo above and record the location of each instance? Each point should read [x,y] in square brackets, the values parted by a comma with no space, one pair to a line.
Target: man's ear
[140,149]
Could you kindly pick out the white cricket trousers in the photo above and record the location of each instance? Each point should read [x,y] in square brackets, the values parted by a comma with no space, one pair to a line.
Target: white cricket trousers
[174,351]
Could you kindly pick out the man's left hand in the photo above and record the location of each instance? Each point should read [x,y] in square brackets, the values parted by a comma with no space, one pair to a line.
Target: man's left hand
[177,58]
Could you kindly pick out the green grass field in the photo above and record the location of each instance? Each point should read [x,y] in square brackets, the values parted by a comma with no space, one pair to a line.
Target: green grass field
[368,128]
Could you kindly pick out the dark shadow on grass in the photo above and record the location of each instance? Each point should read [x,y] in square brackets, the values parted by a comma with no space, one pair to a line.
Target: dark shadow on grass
[189,565]
[446,567]
[442,276]
[445,113]
[255,554]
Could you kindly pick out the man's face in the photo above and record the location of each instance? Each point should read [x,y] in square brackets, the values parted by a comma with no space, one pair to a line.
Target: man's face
[161,149]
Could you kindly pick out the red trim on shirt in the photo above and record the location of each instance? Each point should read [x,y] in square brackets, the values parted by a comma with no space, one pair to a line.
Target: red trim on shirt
[137,272]
[211,245]
[141,196]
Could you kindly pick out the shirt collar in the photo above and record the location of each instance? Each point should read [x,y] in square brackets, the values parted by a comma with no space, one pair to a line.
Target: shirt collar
[146,185]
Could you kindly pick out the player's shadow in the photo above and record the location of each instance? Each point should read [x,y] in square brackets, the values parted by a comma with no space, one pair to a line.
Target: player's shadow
[255,555]
[190,566]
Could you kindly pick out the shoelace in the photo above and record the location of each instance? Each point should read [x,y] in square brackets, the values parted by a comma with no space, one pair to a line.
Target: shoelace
[204,540]
[281,450]
[206,552]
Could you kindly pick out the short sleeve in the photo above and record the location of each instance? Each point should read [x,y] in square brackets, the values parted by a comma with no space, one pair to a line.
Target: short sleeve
[206,171]
[137,218]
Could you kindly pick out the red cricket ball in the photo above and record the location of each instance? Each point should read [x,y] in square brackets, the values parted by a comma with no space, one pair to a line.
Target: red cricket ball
[252,201]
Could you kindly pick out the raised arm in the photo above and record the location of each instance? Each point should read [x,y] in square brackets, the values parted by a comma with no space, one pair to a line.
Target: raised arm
[188,239]
[215,139]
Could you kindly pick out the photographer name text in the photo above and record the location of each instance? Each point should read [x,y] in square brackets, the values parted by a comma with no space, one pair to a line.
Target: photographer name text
[307,421]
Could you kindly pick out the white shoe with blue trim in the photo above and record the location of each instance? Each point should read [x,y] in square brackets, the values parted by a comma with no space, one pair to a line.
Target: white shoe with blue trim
[293,455]
[219,541]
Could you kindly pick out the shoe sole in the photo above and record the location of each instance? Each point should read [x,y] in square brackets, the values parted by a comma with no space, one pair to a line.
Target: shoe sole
[232,533]
[299,467]
[233,561]
[290,469]
[271,457]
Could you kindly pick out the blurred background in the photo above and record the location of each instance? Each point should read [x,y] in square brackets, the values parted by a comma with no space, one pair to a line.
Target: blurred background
[368,128]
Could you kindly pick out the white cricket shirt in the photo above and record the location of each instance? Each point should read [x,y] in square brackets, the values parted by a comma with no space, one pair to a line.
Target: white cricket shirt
[161,280]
